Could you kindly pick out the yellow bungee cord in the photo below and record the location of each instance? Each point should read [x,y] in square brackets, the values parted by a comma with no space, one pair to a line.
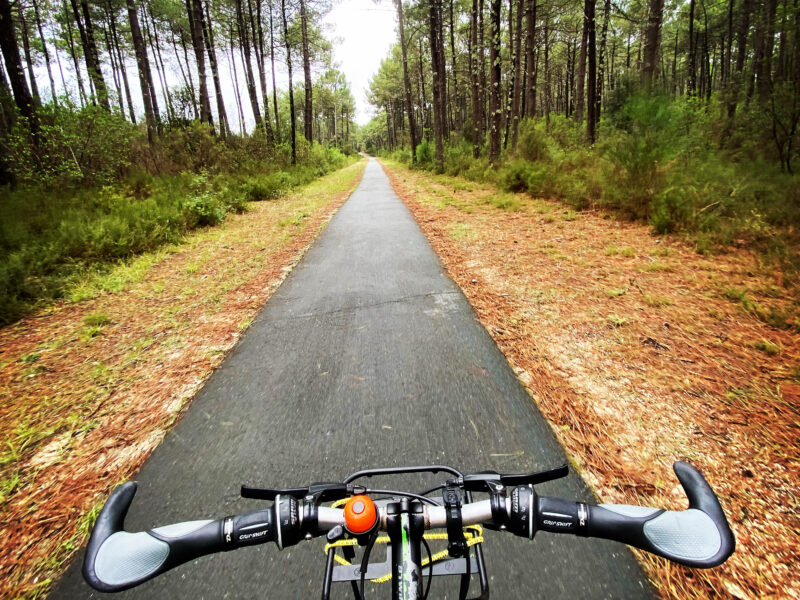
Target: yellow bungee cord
[473,533]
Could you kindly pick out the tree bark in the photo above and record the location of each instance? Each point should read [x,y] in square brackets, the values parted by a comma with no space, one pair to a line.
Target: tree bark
[412,127]
[495,98]
[434,14]
[601,59]
[516,102]
[272,61]
[45,51]
[145,76]
[652,39]
[13,61]
[208,37]
[112,20]
[530,58]
[477,111]
[692,51]
[581,78]
[235,80]
[291,90]
[591,84]
[308,110]
[194,8]
[244,44]
[152,34]
[90,55]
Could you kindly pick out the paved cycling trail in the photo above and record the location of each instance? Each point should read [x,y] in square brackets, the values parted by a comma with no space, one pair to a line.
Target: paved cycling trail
[368,355]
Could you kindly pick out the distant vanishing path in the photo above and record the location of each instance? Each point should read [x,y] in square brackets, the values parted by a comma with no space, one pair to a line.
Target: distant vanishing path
[367,355]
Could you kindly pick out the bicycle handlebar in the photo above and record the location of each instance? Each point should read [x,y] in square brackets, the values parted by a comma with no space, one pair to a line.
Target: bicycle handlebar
[117,560]
[698,537]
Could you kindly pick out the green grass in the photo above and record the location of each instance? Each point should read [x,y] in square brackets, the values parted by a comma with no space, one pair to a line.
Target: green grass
[507,202]
[767,347]
[616,292]
[616,320]
[96,319]
[76,242]
[626,251]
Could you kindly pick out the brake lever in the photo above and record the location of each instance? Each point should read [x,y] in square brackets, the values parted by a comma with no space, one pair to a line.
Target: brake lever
[322,492]
[479,482]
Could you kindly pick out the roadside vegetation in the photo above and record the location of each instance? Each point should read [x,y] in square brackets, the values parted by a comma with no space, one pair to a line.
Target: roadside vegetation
[71,215]
[657,160]
[639,351]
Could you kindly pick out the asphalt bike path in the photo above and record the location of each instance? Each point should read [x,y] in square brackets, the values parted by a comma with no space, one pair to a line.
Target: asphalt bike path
[368,355]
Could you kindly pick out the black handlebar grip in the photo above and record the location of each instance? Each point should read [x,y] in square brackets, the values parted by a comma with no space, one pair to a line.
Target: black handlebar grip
[699,537]
[117,560]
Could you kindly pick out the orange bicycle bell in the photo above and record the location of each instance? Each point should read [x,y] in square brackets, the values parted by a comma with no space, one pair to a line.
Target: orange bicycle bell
[360,515]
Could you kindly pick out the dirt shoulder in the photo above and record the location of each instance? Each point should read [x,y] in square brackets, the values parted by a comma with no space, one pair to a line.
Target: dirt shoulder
[639,352]
[89,389]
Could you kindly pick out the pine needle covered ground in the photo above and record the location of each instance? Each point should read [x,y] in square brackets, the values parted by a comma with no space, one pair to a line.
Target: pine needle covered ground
[89,389]
[640,352]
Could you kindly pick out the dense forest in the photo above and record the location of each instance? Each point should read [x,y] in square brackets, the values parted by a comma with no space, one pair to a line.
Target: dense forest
[124,124]
[684,113]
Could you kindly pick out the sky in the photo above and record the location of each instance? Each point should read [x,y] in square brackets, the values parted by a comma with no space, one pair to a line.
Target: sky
[362,32]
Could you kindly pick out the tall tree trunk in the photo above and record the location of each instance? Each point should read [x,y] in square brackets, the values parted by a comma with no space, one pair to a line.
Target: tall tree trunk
[601,59]
[412,128]
[272,62]
[482,64]
[90,55]
[652,40]
[244,44]
[208,37]
[423,97]
[765,70]
[591,83]
[152,34]
[260,67]
[516,102]
[235,81]
[26,46]
[16,76]
[112,20]
[510,77]
[71,43]
[457,117]
[530,58]
[435,14]
[192,88]
[194,9]
[45,51]
[477,107]
[581,78]
[692,52]
[145,76]
[495,98]
[262,75]
[291,90]
[114,69]
[308,110]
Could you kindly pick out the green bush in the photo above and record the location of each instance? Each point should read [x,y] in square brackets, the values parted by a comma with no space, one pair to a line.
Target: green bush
[532,143]
[425,155]
[87,145]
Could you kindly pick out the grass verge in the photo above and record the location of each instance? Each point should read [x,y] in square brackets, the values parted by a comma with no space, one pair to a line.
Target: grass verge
[636,366]
[89,389]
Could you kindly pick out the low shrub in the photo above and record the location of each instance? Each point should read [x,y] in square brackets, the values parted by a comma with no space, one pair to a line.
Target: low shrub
[425,155]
